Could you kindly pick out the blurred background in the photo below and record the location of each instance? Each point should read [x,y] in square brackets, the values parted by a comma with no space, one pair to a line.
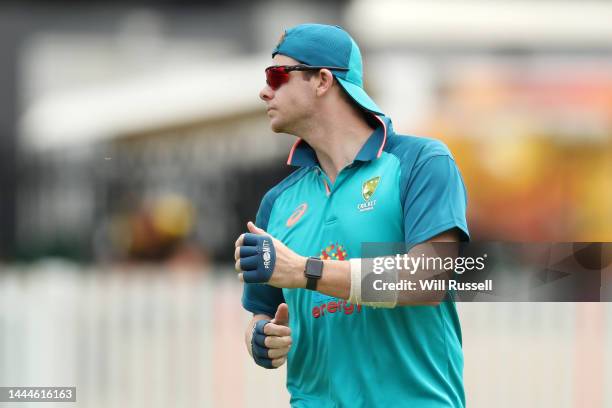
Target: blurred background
[134,149]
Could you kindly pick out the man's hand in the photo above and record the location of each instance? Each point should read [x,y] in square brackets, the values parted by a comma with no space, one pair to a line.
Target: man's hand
[287,266]
[269,341]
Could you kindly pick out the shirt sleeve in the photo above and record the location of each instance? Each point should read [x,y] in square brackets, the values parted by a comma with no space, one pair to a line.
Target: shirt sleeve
[260,298]
[435,200]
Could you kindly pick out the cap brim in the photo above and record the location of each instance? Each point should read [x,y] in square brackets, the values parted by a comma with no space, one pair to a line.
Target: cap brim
[360,96]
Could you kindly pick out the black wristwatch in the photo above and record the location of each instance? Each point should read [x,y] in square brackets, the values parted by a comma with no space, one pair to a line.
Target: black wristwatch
[313,272]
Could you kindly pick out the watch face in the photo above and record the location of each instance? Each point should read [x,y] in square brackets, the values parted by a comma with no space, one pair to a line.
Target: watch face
[314,268]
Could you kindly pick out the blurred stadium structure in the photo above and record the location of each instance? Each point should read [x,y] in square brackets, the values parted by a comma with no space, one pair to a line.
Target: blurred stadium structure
[133,143]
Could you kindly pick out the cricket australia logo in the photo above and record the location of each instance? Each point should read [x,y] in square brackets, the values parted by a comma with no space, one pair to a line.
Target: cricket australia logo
[367,191]
[265,245]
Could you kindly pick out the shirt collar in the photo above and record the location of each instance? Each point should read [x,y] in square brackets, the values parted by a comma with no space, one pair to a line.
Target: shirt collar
[303,155]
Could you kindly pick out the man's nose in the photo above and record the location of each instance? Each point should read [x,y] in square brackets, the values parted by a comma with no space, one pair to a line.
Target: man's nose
[266,93]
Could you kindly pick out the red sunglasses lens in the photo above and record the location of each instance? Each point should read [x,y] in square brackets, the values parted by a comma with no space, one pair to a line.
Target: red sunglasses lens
[276,76]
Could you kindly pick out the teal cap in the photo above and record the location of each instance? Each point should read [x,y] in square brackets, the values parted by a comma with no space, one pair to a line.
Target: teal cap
[326,45]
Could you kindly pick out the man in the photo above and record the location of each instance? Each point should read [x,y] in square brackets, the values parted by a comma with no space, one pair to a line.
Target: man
[357,181]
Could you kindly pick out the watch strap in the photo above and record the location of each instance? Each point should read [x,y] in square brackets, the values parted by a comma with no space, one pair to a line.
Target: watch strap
[313,272]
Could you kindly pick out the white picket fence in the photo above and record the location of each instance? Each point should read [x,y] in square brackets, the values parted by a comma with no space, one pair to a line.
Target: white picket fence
[146,338]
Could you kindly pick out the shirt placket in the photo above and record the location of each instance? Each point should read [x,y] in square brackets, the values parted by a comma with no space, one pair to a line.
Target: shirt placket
[327,184]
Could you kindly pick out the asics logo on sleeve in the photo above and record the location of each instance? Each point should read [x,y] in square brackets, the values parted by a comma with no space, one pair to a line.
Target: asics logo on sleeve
[297,214]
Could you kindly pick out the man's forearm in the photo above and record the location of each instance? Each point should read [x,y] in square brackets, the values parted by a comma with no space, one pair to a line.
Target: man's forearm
[335,281]
[336,278]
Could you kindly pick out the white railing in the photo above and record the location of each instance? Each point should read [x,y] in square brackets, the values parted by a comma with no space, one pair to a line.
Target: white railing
[146,338]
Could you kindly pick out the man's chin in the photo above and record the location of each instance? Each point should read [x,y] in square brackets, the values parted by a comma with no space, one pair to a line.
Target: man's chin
[277,126]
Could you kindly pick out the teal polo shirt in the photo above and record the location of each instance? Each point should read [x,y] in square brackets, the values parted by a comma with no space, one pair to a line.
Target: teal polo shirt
[398,189]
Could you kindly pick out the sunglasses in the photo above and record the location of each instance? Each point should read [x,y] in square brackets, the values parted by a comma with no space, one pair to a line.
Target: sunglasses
[277,75]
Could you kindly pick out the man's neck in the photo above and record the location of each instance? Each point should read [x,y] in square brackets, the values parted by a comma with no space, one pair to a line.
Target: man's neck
[336,139]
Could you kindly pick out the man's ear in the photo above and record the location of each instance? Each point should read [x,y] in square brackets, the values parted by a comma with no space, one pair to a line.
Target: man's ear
[325,82]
